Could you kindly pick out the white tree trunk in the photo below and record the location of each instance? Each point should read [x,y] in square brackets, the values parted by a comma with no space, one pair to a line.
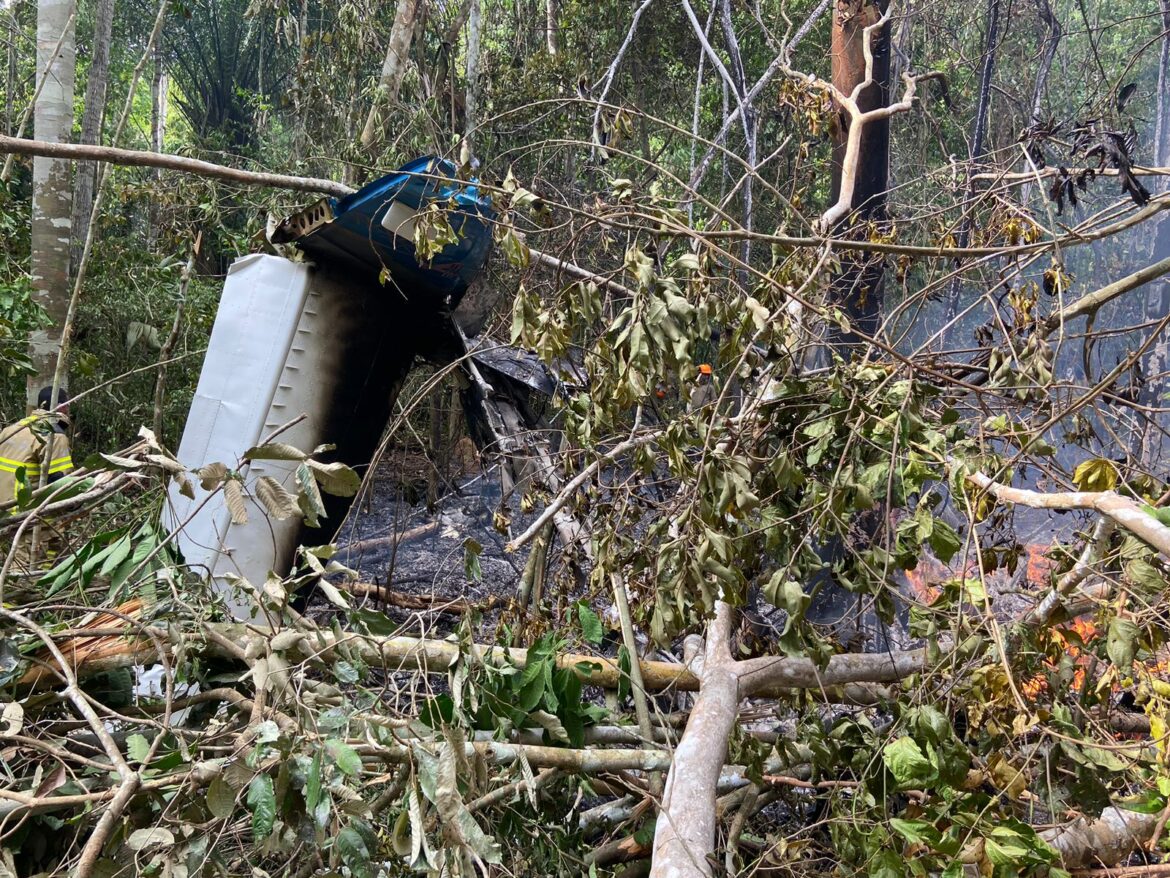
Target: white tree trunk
[550,16]
[91,122]
[685,832]
[52,189]
[474,26]
[159,84]
[393,67]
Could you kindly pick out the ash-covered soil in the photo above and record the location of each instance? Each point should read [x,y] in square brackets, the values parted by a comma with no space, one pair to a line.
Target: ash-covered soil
[393,538]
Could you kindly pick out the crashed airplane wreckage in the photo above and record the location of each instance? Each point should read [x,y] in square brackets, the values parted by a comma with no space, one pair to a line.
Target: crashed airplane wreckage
[332,336]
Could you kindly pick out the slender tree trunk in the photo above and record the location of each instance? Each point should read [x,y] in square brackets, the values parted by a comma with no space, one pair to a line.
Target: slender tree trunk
[91,122]
[857,287]
[10,80]
[159,85]
[1048,53]
[550,26]
[1157,363]
[393,67]
[52,186]
[978,135]
[474,26]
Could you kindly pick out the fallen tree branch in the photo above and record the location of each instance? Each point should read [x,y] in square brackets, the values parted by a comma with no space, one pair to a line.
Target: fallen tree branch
[138,158]
[1121,510]
[1092,553]
[430,602]
[846,678]
[575,483]
[1090,302]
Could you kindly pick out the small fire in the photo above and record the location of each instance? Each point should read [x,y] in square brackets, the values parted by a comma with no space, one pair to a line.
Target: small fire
[928,576]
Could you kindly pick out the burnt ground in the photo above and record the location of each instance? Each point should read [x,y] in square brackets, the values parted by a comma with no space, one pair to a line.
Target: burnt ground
[394,537]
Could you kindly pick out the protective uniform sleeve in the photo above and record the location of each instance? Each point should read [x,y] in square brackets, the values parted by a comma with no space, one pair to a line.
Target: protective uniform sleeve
[60,460]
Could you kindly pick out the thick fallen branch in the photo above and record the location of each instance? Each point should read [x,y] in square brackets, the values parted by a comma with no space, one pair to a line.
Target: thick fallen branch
[844,678]
[1121,510]
[1106,841]
[137,158]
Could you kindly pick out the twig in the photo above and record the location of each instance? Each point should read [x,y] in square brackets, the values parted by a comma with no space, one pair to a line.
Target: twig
[129,779]
[576,482]
[612,71]
[160,381]
[506,792]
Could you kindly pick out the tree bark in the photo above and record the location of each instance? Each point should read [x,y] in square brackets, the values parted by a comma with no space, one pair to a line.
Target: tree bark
[10,80]
[857,287]
[52,189]
[470,108]
[1157,364]
[159,84]
[393,67]
[550,25]
[1050,44]
[685,832]
[91,122]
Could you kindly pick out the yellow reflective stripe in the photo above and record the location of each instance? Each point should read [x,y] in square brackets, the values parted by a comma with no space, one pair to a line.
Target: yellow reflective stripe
[68,458]
[10,462]
[61,468]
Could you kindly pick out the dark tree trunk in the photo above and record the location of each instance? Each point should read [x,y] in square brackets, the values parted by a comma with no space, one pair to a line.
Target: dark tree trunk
[1157,363]
[978,136]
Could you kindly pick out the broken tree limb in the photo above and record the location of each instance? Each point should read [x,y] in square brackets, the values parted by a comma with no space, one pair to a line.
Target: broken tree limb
[579,272]
[1121,510]
[846,677]
[139,158]
[1093,552]
[1107,840]
[428,602]
[685,832]
[1090,302]
[575,483]
[684,838]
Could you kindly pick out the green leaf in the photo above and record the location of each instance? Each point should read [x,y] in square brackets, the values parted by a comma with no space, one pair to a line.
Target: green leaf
[471,551]
[262,801]
[335,478]
[221,798]
[312,507]
[907,763]
[1121,643]
[345,757]
[945,541]
[313,783]
[591,627]
[624,668]
[915,831]
[354,853]
[137,748]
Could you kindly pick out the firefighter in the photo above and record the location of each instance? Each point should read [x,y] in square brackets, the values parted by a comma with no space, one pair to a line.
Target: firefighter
[704,392]
[22,445]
